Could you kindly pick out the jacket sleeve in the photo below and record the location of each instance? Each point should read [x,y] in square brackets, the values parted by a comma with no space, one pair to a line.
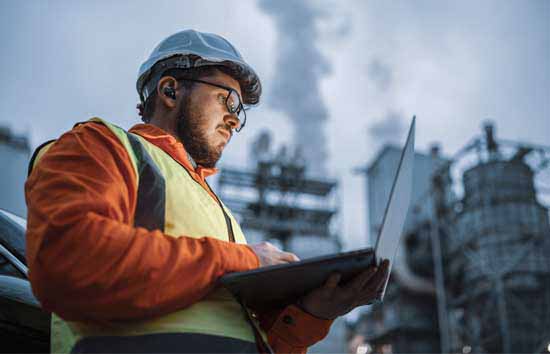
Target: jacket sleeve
[86,260]
[293,330]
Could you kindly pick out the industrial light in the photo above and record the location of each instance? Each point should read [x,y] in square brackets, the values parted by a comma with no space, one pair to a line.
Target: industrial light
[363,349]
[466,349]
[548,348]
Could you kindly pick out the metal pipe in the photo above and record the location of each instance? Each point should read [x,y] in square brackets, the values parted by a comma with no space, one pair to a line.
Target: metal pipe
[503,314]
[443,317]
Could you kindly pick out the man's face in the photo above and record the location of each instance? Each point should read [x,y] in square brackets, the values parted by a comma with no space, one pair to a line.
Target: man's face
[205,125]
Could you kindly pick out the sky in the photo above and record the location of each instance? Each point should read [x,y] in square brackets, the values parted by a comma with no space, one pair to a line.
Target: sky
[340,77]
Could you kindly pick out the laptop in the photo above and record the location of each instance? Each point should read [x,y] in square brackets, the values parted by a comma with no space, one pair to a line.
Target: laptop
[281,285]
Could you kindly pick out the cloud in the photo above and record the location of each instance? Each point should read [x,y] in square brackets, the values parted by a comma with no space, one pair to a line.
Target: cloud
[380,74]
[389,129]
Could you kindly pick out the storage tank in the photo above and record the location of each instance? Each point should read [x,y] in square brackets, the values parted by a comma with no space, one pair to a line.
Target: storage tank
[499,257]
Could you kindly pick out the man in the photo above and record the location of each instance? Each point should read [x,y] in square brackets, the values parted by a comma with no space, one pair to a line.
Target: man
[126,240]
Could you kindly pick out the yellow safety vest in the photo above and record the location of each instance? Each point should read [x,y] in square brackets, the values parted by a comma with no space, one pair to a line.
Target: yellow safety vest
[181,207]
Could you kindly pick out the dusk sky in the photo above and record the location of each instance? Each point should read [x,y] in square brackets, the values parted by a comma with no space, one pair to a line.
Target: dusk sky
[341,77]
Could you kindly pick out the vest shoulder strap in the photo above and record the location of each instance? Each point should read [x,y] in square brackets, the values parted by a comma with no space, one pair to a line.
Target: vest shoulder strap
[151,193]
[120,133]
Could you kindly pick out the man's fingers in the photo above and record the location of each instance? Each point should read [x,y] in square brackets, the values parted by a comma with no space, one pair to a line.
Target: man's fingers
[372,291]
[360,280]
[270,255]
[289,257]
[370,296]
[379,279]
[385,273]
[333,280]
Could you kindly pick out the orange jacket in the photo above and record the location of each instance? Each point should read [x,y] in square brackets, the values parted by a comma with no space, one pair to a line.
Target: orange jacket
[88,263]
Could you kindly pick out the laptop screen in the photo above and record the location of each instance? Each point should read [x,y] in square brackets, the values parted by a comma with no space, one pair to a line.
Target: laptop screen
[398,203]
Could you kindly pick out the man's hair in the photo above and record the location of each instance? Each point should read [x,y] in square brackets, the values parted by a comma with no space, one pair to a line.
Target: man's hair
[147,109]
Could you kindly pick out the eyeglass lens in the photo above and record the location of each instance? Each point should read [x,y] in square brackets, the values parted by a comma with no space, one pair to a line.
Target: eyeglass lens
[234,105]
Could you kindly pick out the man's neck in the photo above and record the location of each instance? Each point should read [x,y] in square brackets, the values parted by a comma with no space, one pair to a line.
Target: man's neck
[168,125]
[170,128]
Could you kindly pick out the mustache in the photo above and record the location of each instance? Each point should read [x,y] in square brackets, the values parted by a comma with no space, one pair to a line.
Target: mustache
[227,128]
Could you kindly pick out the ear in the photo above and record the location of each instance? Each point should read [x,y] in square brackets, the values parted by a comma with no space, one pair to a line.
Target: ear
[168,82]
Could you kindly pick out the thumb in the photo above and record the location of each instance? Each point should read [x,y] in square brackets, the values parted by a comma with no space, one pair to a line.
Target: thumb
[333,280]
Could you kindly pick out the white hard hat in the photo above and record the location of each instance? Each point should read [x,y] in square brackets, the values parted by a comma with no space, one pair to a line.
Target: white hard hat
[188,49]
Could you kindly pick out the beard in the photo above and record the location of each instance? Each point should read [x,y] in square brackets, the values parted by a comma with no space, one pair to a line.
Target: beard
[193,135]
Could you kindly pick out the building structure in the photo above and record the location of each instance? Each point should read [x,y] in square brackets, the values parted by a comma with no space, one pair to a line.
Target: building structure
[485,247]
[279,201]
[14,157]
[497,252]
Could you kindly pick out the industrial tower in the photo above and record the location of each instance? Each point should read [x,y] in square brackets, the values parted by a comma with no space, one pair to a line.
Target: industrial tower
[280,200]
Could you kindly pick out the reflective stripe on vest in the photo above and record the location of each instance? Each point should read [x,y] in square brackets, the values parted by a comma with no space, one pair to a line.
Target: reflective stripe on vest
[191,211]
[151,194]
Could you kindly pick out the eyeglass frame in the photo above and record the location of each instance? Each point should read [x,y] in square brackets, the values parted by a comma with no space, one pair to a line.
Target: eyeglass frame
[239,108]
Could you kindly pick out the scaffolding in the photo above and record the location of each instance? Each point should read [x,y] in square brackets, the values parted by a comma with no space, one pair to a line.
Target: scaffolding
[278,199]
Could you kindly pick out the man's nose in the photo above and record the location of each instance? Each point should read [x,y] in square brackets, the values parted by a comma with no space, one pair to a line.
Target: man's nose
[232,120]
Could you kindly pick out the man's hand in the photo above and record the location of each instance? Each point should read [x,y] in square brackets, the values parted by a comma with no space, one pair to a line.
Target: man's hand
[332,300]
[271,255]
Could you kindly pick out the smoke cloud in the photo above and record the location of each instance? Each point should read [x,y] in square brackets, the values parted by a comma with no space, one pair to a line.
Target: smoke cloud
[380,74]
[300,66]
[390,128]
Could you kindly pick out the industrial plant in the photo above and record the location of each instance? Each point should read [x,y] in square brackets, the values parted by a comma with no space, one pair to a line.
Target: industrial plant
[277,200]
[473,271]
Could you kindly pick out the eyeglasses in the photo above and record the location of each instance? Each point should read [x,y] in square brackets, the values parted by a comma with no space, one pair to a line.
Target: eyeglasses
[233,102]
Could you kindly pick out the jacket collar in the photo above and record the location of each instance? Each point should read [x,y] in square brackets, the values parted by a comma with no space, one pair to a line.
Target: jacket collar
[169,144]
